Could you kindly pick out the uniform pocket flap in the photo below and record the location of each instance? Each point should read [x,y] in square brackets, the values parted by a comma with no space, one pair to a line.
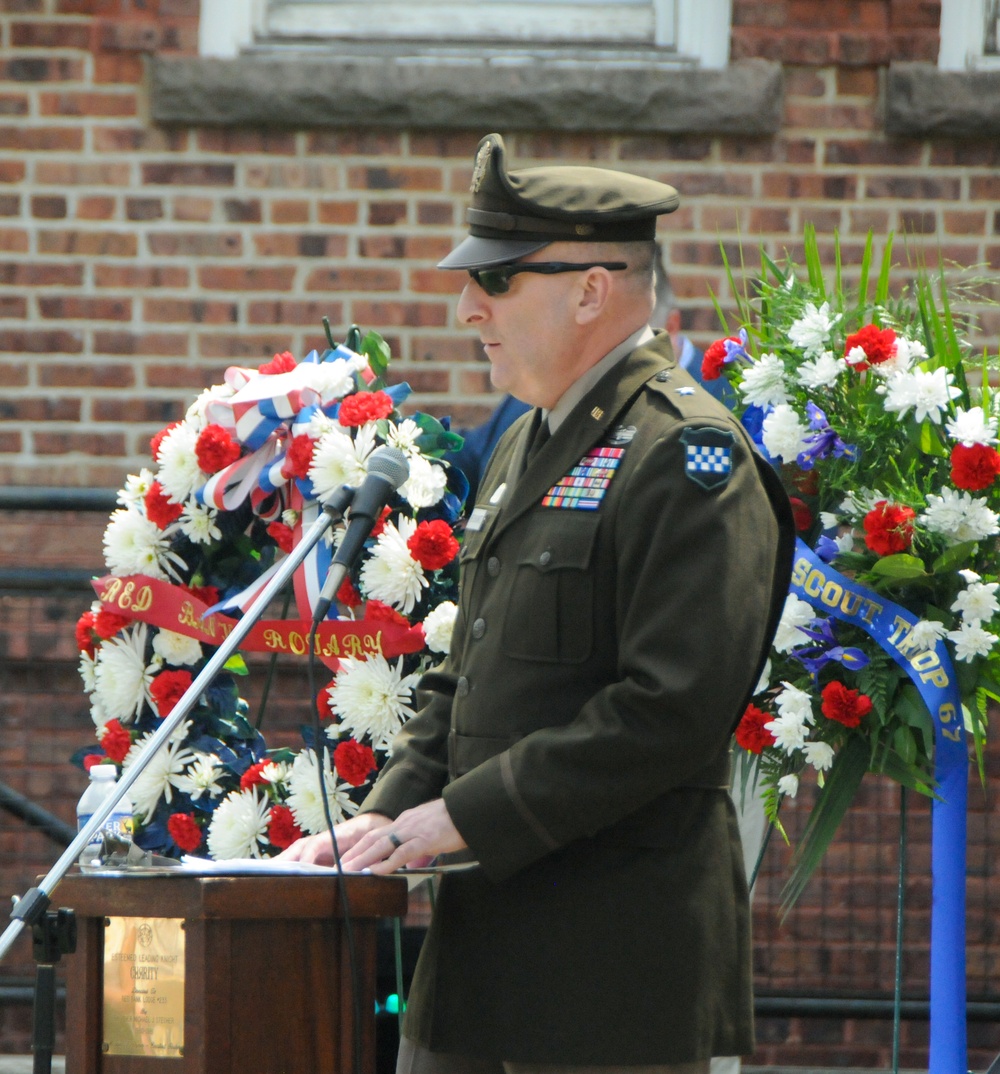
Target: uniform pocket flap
[566,543]
[470,751]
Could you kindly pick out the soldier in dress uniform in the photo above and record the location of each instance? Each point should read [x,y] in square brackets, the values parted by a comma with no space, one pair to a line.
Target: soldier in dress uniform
[623,571]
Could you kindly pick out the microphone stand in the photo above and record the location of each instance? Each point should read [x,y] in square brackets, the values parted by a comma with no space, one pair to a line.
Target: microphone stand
[31,908]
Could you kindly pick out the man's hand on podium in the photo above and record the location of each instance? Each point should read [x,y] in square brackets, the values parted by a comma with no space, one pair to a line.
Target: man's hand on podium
[373,842]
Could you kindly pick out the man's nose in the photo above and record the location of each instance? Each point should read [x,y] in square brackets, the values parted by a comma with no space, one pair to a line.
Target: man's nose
[472,308]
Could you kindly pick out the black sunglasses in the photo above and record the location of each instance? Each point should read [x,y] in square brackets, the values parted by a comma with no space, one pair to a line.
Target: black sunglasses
[496,281]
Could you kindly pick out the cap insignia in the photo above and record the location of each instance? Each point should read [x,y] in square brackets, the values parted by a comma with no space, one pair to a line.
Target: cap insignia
[479,168]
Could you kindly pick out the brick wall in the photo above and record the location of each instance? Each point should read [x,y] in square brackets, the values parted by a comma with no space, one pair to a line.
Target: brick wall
[137,262]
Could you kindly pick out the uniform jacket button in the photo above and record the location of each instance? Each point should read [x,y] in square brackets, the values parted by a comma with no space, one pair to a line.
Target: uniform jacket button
[462,687]
[493,566]
[479,628]
[545,558]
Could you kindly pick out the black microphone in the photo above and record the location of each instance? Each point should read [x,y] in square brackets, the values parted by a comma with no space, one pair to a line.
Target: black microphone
[387,470]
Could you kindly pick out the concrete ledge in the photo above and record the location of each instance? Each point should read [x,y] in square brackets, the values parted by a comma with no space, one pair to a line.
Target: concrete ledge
[920,100]
[455,91]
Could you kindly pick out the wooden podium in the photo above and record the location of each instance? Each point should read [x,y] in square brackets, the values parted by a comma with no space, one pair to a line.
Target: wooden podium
[265,986]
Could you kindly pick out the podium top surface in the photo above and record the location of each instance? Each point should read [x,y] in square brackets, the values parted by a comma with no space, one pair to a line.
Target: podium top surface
[230,897]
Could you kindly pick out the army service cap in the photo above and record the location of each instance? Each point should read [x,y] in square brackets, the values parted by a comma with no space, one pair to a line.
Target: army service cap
[515,213]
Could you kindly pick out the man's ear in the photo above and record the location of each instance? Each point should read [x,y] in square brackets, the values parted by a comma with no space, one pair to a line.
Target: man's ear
[593,295]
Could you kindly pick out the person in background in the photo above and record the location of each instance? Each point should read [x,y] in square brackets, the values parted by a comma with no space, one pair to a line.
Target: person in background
[623,571]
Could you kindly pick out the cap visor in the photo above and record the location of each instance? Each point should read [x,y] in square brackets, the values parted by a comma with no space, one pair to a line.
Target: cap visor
[476,253]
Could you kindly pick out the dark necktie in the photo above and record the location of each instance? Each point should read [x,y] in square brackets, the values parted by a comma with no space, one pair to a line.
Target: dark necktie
[538,438]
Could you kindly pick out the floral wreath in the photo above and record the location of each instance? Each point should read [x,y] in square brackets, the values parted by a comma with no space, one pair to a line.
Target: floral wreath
[195,541]
[883,426]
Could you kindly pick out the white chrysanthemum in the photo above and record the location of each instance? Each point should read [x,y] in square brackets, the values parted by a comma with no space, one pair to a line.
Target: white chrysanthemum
[197,523]
[136,487]
[333,379]
[319,425]
[275,772]
[179,473]
[88,672]
[121,677]
[959,517]
[763,382]
[200,412]
[304,797]
[391,574]
[426,484]
[784,433]
[829,520]
[972,426]
[796,613]
[795,704]
[977,602]
[439,625]
[927,392]
[908,353]
[819,755]
[202,777]
[371,698]
[338,460]
[971,640]
[176,649]
[134,545]
[856,356]
[968,576]
[788,785]
[926,633]
[404,436]
[162,772]
[858,503]
[789,733]
[239,826]
[812,330]
[97,713]
[821,372]
[291,517]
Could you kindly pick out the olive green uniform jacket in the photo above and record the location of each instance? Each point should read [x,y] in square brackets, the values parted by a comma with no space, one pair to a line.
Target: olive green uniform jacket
[579,734]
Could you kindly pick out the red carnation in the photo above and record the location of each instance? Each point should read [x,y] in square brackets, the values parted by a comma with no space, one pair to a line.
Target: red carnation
[362,407]
[380,524]
[116,741]
[433,545]
[91,759]
[160,509]
[253,776]
[353,761]
[299,456]
[184,831]
[280,363]
[714,359]
[801,514]
[879,345]
[348,595]
[282,535]
[85,634]
[383,613]
[216,449]
[843,705]
[154,444]
[974,468]
[167,689]
[282,830]
[889,528]
[324,701]
[108,623]
[751,733]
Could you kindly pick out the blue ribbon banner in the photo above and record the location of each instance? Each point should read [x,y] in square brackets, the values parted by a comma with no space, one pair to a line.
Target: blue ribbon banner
[934,677]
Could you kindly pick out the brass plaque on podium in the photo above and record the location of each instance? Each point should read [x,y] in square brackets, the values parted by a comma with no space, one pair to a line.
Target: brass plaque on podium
[144,986]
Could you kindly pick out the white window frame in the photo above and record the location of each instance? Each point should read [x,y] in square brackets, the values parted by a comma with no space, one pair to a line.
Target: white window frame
[690,30]
[963,36]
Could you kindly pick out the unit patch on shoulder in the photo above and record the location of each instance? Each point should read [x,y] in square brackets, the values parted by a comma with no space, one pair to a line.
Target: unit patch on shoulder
[708,459]
[583,488]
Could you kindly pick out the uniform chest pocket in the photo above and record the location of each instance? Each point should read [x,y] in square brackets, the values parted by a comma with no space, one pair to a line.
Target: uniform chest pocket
[550,607]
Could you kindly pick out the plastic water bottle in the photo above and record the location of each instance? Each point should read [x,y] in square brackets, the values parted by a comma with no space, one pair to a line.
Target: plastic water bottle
[103,778]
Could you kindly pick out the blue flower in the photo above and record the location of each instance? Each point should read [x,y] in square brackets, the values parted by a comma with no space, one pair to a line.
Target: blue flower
[827,650]
[824,442]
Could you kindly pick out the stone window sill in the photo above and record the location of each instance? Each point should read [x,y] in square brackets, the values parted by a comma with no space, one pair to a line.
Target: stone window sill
[922,101]
[627,91]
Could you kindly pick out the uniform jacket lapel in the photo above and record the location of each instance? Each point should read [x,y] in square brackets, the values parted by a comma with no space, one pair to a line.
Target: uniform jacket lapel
[589,423]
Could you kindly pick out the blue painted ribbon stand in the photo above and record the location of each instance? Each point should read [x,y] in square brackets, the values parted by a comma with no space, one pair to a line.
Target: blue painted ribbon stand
[933,675]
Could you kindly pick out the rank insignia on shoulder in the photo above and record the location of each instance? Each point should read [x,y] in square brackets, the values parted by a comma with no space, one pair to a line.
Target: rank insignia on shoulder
[685,391]
[708,458]
[583,488]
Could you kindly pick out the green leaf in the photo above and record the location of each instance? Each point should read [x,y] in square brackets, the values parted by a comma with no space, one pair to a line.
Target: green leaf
[866,264]
[901,566]
[376,350]
[882,287]
[842,783]
[904,744]
[434,438]
[954,558]
[236,665]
